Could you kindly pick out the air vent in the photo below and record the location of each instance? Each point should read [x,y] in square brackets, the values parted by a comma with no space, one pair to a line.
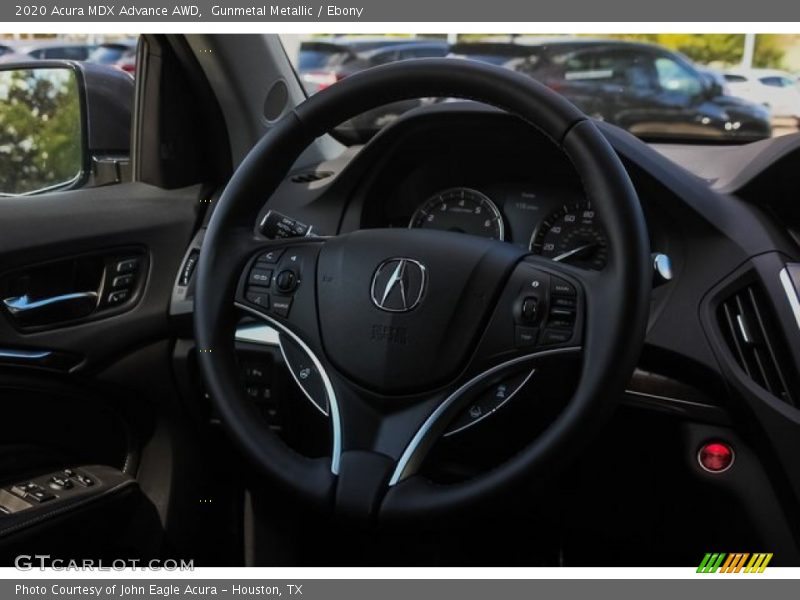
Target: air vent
[311,176]
[751,331]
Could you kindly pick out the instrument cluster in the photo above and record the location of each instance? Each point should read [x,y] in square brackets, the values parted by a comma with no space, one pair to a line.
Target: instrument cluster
[555,223]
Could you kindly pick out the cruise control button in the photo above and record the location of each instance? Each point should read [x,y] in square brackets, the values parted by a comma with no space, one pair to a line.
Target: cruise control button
[260,277]
[281,305]
[258,296]
[556,336]
[525,336]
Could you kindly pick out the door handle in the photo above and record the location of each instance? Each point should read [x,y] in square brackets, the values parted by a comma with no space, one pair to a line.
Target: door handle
[51,309]
[23,304]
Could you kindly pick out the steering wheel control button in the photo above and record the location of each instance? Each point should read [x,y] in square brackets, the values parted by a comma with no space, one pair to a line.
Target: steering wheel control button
[260,276]
[470,416]
[561,302]
[556,336]
[716,457]
[531,303]
[530,309]
[305,373]
[286,281]
[281,305]
[559,287]
[490,400]
[258,296]
[561,317]
[525,336]
[271,257]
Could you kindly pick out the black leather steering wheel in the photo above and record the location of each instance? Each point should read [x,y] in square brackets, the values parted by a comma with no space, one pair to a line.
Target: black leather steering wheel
[402,328]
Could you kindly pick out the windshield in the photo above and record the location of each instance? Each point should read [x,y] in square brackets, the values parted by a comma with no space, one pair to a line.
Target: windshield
[660,87]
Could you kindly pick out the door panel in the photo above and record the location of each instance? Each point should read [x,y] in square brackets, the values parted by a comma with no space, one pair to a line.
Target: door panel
[102,221]
[64,402]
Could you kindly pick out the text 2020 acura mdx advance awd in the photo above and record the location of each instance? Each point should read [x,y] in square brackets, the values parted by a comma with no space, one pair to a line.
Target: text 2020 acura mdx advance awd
[498,333]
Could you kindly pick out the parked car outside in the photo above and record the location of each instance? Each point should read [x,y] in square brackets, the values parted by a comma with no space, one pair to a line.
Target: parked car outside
[652,92]
[53,49]
[323,62]
[120,54]
[494,53]
[773,88]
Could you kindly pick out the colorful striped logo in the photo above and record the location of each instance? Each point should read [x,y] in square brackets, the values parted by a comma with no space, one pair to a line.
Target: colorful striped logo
[719,562]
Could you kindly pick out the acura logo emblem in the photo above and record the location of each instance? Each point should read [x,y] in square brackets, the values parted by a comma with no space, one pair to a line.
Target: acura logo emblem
[398,284]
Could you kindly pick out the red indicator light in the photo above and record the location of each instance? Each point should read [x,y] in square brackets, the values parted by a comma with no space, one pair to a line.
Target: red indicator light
[715,457]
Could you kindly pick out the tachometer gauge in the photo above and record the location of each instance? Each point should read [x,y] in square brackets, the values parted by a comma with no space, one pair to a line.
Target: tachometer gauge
[572,234]
[460,209]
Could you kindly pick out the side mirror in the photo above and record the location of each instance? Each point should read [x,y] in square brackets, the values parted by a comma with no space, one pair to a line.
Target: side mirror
[57,119]
[712,86]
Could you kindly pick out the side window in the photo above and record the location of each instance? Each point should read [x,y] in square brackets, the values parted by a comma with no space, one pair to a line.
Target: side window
[384,58]
[675,78]
[776,81]
[597,67]
[67,53]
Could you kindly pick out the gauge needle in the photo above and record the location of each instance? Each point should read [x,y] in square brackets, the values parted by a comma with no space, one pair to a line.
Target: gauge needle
[574,251]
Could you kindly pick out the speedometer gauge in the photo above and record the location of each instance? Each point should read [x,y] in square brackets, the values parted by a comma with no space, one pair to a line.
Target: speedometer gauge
[573,235]
[463,210]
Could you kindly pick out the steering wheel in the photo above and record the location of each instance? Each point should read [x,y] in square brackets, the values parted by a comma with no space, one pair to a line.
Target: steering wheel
[401,329]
